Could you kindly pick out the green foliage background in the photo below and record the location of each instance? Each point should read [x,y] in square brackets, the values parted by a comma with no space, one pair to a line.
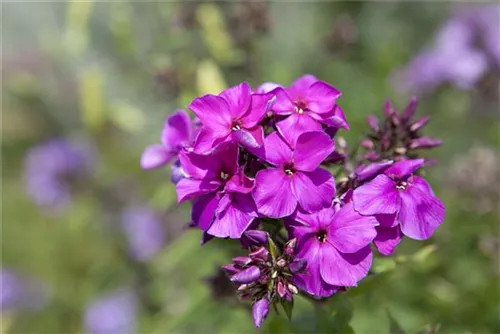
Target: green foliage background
[112,71]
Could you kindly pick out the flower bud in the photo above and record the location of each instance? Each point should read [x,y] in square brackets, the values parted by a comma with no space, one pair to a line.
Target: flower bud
[230,269]
[242,260]
[246,276]
[281,289]
[420,123]
[410,110]
[373,122]
[261,254]
[298,266]
[293,289]
[260,309]
[425,142]
[388,108]
[256,237]
[368,144]
[372,156]
[281,263]
[368,172]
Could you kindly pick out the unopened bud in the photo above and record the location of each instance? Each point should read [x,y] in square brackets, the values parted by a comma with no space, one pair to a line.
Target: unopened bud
[410,110]
[293,289]
[260,309]
[260,254]
[230,269]
[400,150]
[386,143]
[420,123]
[246,276]
[274,274]
[298,266]
[368,144]
[368,172]
[281,263]
[388,109]
[242,261]
[243,287]
[425,142]
[372,156]
[256,237]
[281,289]
[373,122]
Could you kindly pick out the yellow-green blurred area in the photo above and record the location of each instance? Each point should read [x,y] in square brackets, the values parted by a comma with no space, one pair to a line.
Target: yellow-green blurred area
[110,72]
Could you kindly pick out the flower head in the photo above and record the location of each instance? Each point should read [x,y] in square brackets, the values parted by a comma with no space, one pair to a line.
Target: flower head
[335,244]
[231,116]
[407,198]
[308,103]
[295,178]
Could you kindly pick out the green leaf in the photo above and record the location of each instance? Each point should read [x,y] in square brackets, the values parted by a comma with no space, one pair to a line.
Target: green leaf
[209,79]
[273,249]
[288,307]
[91,99]
[394,327]
[382,265]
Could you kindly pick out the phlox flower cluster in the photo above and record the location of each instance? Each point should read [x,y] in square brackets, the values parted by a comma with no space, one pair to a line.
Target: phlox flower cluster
[258,166]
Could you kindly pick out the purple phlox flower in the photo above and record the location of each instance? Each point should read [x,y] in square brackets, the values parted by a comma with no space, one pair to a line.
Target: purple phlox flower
[112,314]
[295,176]
[18,292]
[231,116]
[409,198]
[178,133]
[144,231]
[308,103]
[335,244]
[222,206]
[52,169]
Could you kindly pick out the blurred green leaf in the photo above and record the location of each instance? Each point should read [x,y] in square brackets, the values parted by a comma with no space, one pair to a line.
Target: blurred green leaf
[382,265]
[127,117]
[288,308]
[91,99]
[76,37]
[209,79]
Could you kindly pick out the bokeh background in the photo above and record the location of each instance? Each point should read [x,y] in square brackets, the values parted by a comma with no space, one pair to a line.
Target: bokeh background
[94,244]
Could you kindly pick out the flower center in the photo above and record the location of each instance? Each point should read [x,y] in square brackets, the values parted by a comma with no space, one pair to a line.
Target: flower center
[401,185]
[236,126]
[289,169]
[300,107]
[224,176]
[321,236]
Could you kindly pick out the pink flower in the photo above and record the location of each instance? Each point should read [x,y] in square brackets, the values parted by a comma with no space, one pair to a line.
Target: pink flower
[233,115]
[295,178]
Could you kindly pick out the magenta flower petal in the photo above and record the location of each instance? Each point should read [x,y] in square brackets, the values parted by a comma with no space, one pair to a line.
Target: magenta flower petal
[322,97]
[155,156]
[272,193]
[387,220]
[379,196]
[177,130]
[259,107]
[203,211]
[344,269]
[197,165]
[387,239]
[247,139]
[283,105]
[335,119]
[236,218]
[313,190]
[238,99]
[188,188]
[350,231]
[421,213]
[214,112]
[302,84]
[403,168]
[266,87]
[311,149]
[295,125]
[239,183]
[275,150]
[247,275]
[208,140]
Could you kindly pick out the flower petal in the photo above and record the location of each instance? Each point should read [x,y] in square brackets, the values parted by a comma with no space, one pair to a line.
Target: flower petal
[322,97]
[249,139]
[188,188]
[421,212]
[313,190]
[239,183]
[177,130]
[283,105]
[295,125]
[378,196]
[335,119]
[214,112]
[260,105]
[304,82]
[238,99]
[275,150]
[207,140]
[403,168]
[272,193]
[387,239]
[311,149]
[344,269]
[155,156]
[236,218]
[203,211]
[350,231]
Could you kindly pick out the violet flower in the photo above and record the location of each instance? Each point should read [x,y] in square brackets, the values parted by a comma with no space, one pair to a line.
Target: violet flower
[144,231]
[407,201]
[335,244]
[53,168]
[112,314]
[178,133]
[222,203]
[308,103]
[232,116]
[295,178]
[18,292]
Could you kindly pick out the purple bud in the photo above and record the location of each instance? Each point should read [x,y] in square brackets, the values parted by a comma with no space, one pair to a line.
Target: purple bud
[385,142]
[388,108]
[372,156]
[298,266]
[290,247]
[420,123]
[281,263]
[230,269]
[410,110]
[242,260]
[256,237]
[260,310]
[368,144]
[261,254]
[373,122]
[246,276]
[282,290]
[368,172]
[425,142]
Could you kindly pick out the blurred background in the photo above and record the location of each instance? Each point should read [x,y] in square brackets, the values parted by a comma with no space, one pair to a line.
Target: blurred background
[93,244]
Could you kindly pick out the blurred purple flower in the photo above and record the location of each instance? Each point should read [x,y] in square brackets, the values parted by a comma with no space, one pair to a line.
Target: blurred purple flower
[18,292]
[144,231]
[112,314]
[464,49]
[52,168]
